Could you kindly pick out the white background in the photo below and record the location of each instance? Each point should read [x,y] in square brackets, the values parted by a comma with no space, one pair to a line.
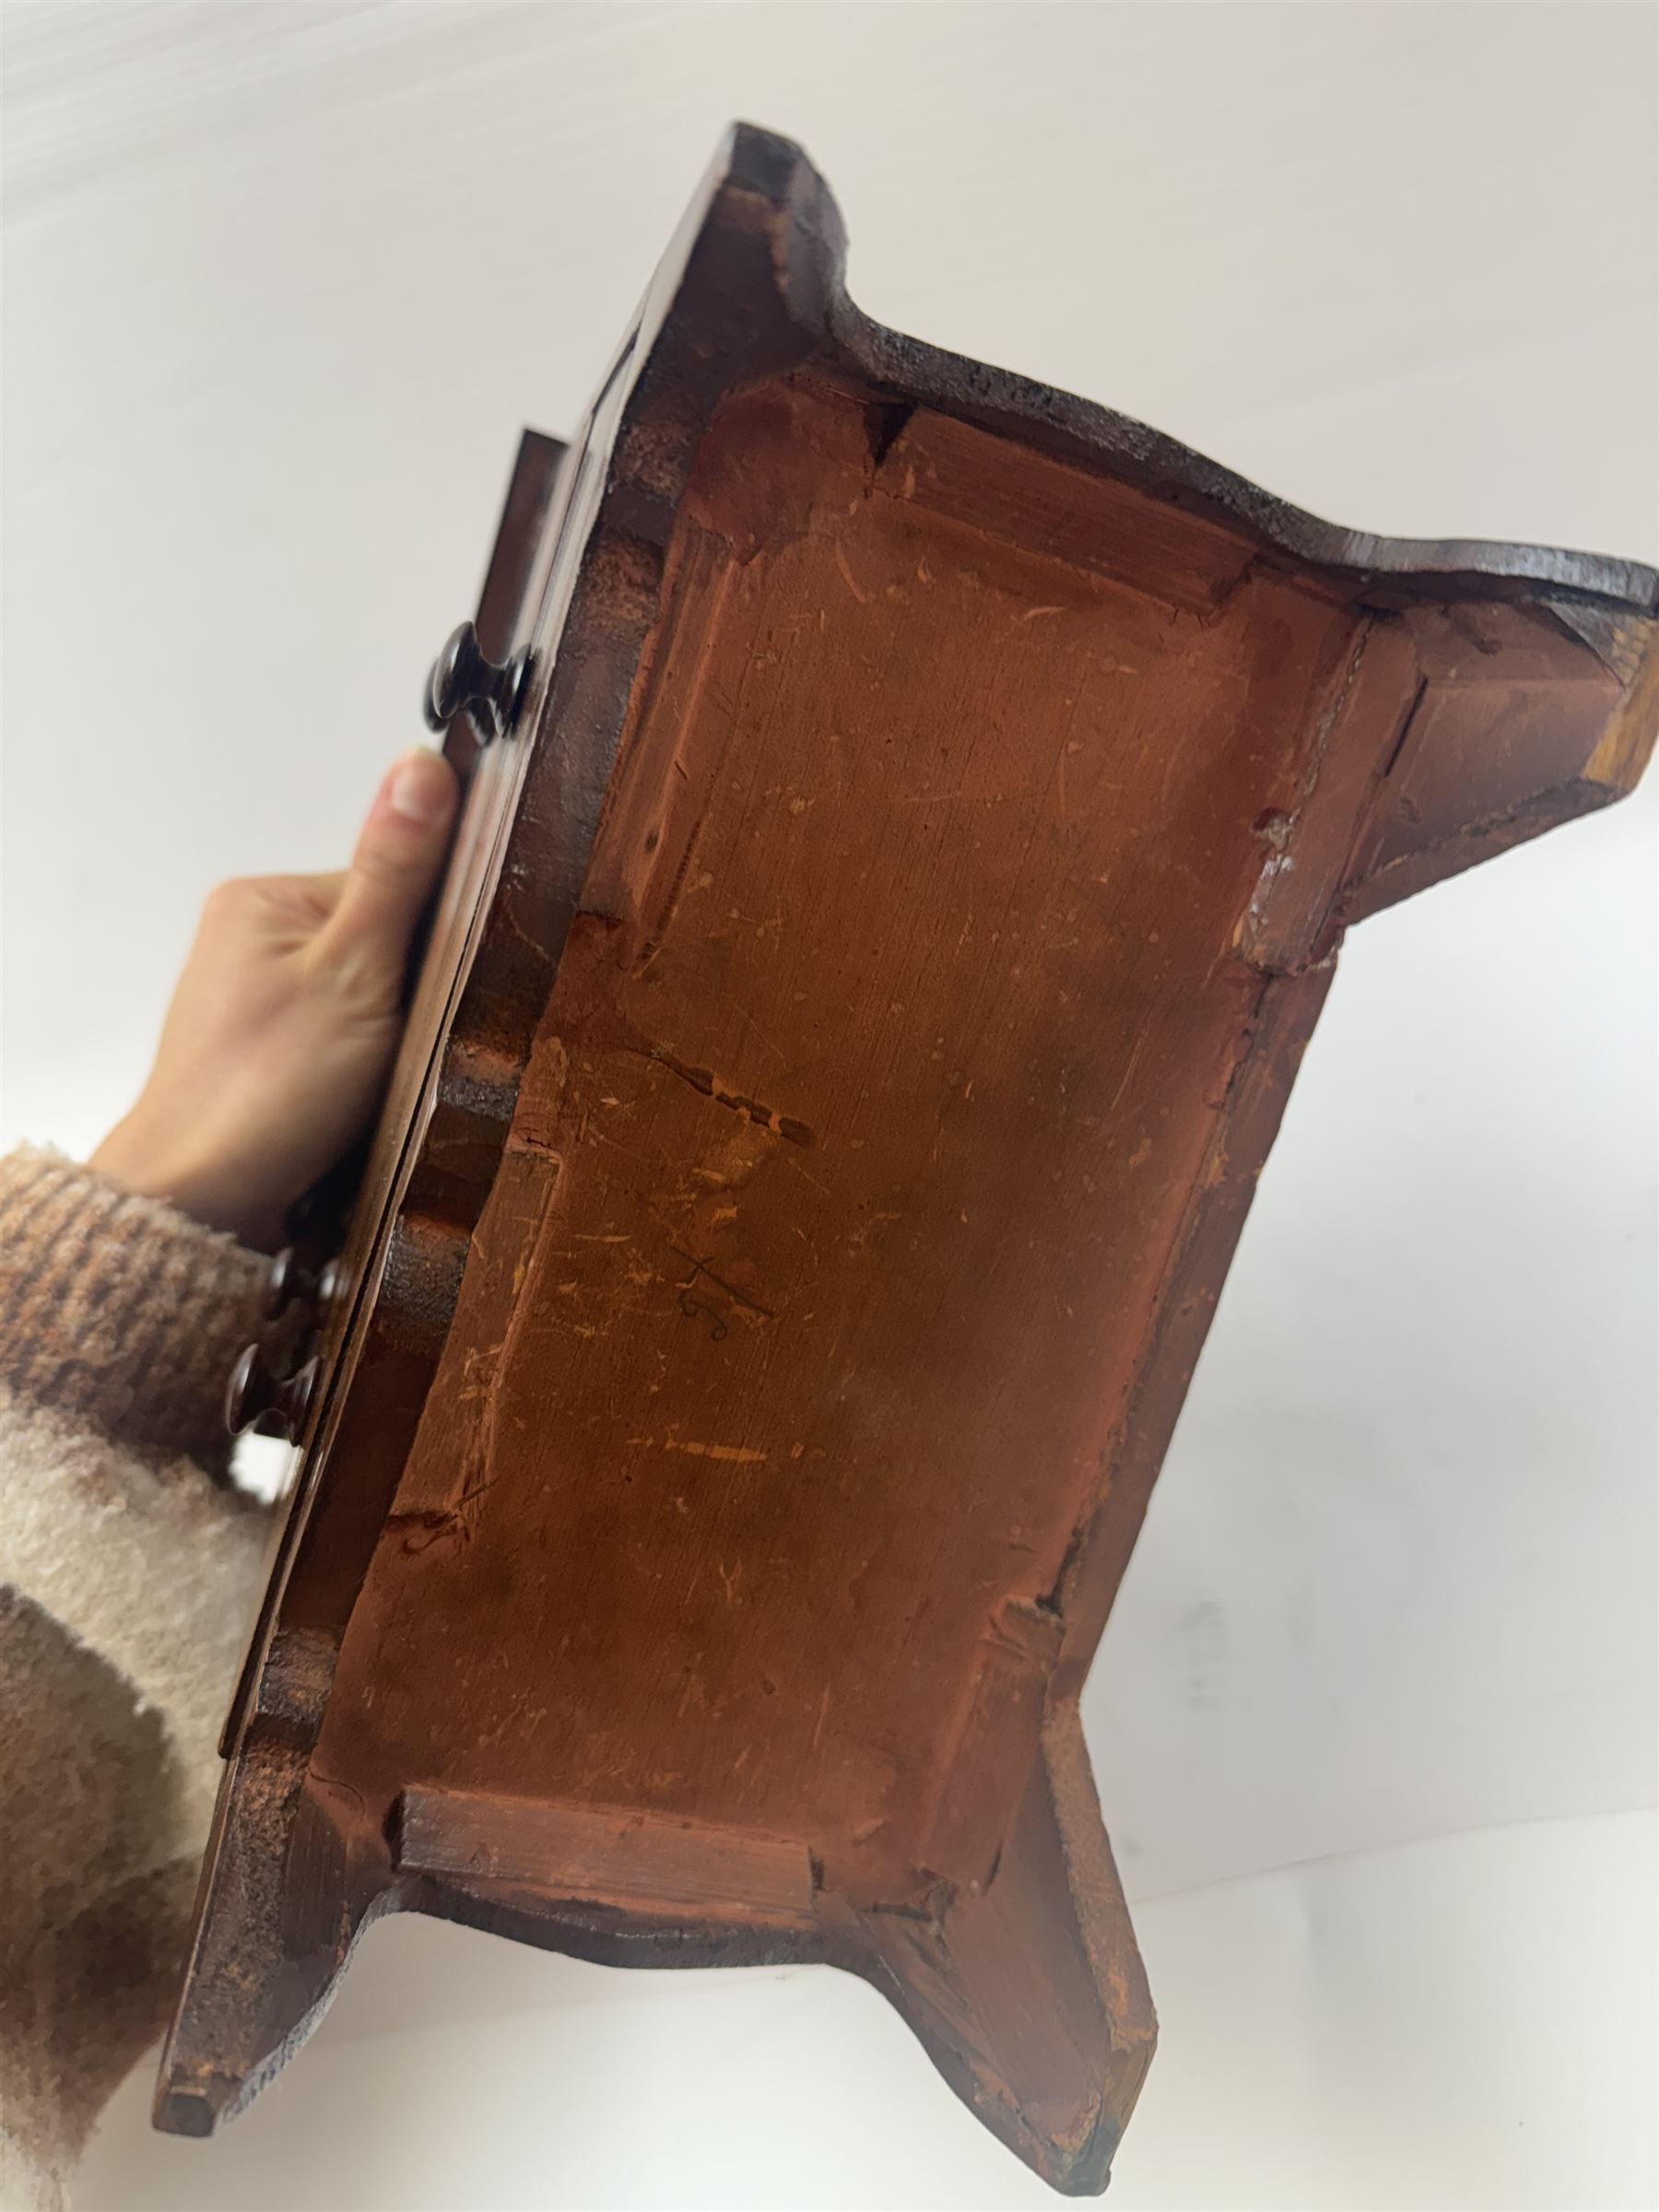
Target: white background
[1374,1721]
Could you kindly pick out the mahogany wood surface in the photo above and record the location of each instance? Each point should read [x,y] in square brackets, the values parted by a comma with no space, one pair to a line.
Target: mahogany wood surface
[865,994]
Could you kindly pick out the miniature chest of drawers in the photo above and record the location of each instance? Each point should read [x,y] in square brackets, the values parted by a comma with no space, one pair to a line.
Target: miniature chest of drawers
[911,819]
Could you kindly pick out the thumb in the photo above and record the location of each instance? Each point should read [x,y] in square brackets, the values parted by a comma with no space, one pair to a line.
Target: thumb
[400,850]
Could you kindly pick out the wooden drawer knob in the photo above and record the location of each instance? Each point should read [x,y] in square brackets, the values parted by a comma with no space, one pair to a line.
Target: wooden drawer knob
[286,1281]
[465,680]
[290,1278]
[256,1399]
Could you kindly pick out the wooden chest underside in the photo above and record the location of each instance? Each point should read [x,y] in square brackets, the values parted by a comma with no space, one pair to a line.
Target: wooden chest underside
[864,995]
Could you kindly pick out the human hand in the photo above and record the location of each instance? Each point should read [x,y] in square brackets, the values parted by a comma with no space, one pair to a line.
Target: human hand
[283,1023]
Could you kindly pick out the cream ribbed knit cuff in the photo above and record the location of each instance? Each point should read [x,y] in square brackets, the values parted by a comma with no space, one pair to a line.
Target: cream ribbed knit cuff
[120,1311]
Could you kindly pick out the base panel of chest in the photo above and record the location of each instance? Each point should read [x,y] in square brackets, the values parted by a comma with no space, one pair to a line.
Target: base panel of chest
[866,995]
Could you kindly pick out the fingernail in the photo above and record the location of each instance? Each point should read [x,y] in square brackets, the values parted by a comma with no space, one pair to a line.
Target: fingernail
[421,788]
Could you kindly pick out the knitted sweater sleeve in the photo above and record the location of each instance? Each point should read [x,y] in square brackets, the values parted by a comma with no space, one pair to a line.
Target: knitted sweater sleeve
[128,1576]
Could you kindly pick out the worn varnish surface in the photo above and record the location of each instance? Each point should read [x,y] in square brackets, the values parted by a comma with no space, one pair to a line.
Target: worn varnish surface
[866,995]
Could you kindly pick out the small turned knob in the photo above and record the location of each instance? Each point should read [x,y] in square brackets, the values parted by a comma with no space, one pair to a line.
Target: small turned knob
[286,1281]
[291,1279]
[464,680]
[255,1399]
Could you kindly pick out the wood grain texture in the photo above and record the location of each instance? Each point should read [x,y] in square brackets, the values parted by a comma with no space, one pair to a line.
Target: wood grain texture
[864,998]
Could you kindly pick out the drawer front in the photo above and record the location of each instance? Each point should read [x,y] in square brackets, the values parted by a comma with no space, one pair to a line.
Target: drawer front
[342,1230]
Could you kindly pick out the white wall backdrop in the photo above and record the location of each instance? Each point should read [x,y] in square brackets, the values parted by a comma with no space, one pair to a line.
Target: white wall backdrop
[1374,1723]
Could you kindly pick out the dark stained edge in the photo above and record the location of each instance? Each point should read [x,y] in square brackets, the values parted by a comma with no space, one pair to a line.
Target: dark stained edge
[1096,438]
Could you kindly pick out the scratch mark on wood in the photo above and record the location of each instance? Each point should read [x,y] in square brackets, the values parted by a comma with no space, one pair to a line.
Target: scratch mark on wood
[703,1079]
[862,597]
[737,1455]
